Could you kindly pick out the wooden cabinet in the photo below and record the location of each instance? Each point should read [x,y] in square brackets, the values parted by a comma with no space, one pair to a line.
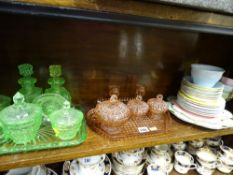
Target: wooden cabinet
[110,42]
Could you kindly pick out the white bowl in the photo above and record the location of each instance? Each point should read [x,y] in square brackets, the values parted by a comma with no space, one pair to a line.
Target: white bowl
[206,75]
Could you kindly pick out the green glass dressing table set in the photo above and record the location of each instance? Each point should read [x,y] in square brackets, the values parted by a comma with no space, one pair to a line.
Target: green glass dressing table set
[38,120]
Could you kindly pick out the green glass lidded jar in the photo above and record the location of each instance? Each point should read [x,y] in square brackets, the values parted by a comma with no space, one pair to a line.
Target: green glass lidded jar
[21,121]
[56,82]
[29,90]
[66,122]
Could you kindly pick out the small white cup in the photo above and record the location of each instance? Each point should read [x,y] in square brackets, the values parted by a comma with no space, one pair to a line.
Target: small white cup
[91,160]
[180,146]
[214,142]
[155,170]
[197,143]
[131,157]
[97,169]
[203,170]
[209,165]
[224,168]
[38,170]
[165,148]
[206,155]
[227,152]
[163,159]
[183,162]
[225,159]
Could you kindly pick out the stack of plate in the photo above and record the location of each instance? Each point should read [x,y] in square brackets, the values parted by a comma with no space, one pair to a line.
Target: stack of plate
[202,101]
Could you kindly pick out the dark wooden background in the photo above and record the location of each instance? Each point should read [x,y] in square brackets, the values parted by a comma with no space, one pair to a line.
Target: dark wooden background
[95,55]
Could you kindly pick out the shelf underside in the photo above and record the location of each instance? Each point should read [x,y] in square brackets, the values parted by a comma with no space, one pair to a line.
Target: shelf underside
[96,144]
[128,12]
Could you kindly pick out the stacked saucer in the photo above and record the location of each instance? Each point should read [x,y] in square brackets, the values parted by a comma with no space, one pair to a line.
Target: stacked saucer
[202,101]
[98,165]
[128,162]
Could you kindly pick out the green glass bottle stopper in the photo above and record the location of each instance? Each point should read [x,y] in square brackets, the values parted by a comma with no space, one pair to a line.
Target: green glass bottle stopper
[55,70]
[26,70]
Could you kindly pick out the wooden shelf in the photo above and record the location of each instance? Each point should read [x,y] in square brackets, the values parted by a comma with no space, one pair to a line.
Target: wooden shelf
[126,11]
[195,173]
[95,144]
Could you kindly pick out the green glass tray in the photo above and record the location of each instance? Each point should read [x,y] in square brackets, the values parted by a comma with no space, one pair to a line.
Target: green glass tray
[46,139]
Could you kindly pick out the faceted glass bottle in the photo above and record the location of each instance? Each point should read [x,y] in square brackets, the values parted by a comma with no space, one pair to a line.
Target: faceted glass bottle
[29,90]
[56,82]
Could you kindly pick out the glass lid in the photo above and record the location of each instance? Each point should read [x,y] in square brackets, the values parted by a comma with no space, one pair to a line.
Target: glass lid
[20,112]
[66,116]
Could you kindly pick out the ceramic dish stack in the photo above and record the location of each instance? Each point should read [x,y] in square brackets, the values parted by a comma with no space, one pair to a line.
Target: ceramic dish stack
[202,101]
[199,100]
[128,162]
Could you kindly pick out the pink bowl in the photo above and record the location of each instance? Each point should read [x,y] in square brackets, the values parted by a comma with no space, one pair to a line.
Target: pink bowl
[227,81]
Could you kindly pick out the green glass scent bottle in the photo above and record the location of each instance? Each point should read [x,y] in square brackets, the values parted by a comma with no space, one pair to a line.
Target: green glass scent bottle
[56,82]
[29,90]
[66,122]
[21,121]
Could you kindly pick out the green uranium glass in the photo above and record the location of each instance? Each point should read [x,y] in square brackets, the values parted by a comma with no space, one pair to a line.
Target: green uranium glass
[4,101]
[46,139]
[29,90]
[66,122]
[21,121]
[56,82]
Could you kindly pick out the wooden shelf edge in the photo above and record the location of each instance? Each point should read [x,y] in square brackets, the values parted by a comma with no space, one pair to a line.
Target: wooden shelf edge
[95,144]
[127,12]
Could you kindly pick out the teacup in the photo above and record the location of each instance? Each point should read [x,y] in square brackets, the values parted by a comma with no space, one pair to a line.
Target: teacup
[163,159]
[131,157]
[227,152]
[92,160]
[209,165]
[120,168]
[97,169]
[38,170]
[191,150]
[203,170]
[180,146]
[155,170]
[197,143]
[165,148]
[214,142]
[225,159]
[183,162]
[223,167]
[206,155]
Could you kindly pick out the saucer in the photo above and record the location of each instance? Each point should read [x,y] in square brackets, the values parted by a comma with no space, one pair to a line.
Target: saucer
[223,121]
[74,167]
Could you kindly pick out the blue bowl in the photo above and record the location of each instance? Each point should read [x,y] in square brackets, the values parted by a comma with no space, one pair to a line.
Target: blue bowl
[206,75]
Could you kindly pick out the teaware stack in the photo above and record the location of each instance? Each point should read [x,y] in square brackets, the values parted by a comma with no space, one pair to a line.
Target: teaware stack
[86,166]
[183,162]
[206,161]
[201,95]
[160,159]
[225,159]
[194,145]
[128,162]
[179,146]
